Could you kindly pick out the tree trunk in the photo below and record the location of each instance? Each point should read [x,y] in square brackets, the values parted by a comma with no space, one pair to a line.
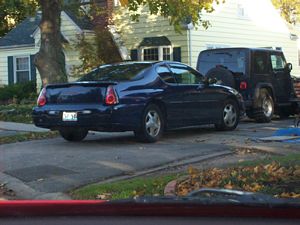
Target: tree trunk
[50,60]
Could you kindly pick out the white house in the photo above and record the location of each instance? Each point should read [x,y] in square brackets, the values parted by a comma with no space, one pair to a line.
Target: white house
[236,23]
[19,46]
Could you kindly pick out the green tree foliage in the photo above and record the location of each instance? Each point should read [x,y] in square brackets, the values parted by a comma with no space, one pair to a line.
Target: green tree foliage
[14,11]
[289,9]
[103,50]
[177,11]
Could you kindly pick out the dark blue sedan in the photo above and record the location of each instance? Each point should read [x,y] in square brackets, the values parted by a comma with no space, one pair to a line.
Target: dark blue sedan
[145,97]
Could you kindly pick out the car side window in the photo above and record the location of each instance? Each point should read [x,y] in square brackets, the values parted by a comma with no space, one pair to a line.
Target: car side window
[278,62]
[260,63]
[165,74]
[185,75]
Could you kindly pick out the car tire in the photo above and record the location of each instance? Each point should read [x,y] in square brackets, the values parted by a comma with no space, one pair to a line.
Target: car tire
[222,74]
[73,135]
[265,107]
[152,125]
[230,116]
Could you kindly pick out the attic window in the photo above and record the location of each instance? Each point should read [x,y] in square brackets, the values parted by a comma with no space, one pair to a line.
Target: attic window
[241,11]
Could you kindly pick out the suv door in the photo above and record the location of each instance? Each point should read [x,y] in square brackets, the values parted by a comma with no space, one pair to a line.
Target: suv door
[261,72]
[282,77]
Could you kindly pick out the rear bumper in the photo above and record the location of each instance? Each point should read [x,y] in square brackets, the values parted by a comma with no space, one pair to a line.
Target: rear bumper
[91,117]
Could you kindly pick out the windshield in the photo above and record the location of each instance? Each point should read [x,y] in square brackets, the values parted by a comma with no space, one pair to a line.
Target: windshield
[233,60]
[121,72]
[85,116]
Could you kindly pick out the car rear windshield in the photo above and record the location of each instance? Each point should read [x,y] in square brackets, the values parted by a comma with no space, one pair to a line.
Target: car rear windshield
[120,72]
[233,60]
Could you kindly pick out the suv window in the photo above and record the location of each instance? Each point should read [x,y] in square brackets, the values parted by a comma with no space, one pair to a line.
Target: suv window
[260,63]
[165,74]
[277,61]
[185,75]
[233,60]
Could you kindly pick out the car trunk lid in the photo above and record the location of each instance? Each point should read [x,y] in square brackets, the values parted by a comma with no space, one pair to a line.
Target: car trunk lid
[78,92]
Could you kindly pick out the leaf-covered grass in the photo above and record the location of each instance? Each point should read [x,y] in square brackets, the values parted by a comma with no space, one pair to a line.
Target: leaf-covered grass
[28,136]
[146,186]
[278,176]
[16,113]
[287,160]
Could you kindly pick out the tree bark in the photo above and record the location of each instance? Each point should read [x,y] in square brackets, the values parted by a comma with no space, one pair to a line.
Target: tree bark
[50,60]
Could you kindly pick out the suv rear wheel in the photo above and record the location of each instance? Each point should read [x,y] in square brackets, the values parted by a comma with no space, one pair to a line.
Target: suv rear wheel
[265,107]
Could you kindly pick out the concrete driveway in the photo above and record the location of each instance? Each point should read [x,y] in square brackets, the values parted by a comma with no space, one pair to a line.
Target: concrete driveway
[45,168]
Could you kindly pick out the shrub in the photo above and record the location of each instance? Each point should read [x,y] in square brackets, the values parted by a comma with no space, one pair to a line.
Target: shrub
[17,92]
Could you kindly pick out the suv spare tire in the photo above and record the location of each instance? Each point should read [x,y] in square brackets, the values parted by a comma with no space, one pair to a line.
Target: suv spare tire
[222,74]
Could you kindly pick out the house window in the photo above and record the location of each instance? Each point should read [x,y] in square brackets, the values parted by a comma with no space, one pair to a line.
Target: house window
[166,53]
[158,53]
[215,46]
[241,10]
[151,54]
[22,69]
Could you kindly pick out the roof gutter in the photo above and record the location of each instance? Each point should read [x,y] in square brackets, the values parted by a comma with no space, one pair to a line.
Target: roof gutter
[17,46]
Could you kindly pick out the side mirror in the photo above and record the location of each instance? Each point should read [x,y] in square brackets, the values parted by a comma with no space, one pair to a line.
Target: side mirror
[289,67]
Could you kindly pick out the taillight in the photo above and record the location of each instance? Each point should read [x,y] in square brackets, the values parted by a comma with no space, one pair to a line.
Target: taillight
[111,97]
[243,85]
[41,101]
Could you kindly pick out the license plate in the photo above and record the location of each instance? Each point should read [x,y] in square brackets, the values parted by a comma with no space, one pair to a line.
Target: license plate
[69,116]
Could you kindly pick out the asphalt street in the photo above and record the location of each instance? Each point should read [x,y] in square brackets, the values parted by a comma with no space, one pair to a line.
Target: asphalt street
[54,166]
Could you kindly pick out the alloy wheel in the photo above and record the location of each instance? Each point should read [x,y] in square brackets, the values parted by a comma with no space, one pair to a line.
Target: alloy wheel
[229,115]
[153,123]
[267,107]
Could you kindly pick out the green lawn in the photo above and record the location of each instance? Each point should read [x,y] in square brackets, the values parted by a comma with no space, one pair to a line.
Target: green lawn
[146,186]
[16,113]
[152,186]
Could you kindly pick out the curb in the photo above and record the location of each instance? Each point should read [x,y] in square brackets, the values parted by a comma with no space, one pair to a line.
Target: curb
[170,188]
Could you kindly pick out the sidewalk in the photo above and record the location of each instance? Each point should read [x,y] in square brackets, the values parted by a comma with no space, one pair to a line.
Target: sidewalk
[20,127]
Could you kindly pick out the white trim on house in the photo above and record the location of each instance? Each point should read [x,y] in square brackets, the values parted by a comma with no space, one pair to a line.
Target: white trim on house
[15,66]
[16,46]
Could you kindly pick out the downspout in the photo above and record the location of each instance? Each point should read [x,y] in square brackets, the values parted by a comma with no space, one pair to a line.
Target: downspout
[190,47]
[189,28]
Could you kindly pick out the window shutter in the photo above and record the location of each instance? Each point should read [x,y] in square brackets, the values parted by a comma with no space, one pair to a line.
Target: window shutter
[32,68]
[10,64]
[134,55]
[177,54]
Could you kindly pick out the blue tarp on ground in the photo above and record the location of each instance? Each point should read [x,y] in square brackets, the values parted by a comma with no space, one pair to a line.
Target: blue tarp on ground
[295,132]
[287,135]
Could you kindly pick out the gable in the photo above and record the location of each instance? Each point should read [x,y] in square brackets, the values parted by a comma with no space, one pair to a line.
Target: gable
[22,34]
[27,32]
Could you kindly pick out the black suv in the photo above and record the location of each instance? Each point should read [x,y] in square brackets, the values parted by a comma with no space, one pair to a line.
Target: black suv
[262,76]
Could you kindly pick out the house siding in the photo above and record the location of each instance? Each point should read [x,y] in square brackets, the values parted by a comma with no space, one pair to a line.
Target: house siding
[132,33]
[229,29]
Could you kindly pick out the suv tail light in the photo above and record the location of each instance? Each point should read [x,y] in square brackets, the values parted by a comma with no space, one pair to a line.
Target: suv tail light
[111,97]
[41,101]
[243,85]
